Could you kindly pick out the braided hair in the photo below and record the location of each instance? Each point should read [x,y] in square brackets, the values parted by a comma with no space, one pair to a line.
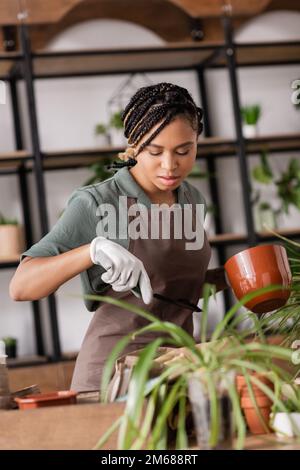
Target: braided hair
[149,106]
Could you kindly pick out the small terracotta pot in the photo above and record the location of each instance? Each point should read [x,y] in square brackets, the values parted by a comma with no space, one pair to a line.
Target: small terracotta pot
[243,390]
[252,417]
[66,397]
[259,267]
[11,242]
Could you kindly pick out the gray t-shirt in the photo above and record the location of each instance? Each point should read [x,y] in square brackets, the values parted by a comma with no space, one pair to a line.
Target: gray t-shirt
[79,223]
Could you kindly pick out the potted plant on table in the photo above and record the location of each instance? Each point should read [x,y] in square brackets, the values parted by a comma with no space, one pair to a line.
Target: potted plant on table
[250,117]
[207,370]
[287,423]
[11,239]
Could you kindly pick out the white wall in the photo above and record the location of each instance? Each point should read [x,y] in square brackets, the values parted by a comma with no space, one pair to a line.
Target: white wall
[68,110]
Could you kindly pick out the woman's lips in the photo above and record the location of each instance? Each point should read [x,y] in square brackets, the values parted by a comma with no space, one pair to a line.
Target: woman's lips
[169,180]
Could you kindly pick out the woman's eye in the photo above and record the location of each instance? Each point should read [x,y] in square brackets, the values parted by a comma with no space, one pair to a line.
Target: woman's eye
[183,153]
[155,154]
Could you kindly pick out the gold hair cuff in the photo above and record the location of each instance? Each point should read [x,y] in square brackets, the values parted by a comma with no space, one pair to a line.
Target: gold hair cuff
[129,153]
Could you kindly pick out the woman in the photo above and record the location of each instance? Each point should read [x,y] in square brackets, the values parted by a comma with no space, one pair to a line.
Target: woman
[162,124]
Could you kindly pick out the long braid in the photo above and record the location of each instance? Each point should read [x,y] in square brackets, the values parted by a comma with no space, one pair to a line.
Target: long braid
[150,106]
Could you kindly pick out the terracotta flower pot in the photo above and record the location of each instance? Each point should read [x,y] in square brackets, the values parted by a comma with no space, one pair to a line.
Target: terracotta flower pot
[66,397]
[11,242]
[243,390]
[259,267]
[254,421]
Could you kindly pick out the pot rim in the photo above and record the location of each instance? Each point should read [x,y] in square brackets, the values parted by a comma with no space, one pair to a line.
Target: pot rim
[254,248]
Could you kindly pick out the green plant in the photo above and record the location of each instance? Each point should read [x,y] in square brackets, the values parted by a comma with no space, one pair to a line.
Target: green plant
[285,321]
[9,341]
[264,206]
[287,184]
[291,406]
[263,173]
[10,346]
[116,120]
[100,172]
[151,402]
[251,114]
[5,221]
[100,129]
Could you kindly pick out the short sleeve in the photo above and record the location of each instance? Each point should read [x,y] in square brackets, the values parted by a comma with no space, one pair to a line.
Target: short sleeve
[74,228]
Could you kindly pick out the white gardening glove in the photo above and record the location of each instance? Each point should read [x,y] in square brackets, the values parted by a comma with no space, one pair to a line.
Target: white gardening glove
[124,270]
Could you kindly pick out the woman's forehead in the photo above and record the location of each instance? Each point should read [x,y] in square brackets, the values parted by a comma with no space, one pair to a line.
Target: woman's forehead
[178,130]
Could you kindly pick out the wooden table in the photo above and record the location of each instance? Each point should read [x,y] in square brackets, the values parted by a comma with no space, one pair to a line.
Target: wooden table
[80,426]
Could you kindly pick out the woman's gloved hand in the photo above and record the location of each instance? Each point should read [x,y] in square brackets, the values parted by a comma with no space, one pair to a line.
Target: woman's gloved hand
[124,271]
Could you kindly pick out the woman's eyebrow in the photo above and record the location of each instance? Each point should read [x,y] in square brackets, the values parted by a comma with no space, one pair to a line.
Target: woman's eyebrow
[177,146]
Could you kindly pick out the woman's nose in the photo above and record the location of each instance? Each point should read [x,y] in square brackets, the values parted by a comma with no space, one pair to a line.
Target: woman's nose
[168,162]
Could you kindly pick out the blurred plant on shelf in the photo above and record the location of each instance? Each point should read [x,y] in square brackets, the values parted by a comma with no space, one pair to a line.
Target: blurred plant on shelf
[101,133]
[250,116]
[286,184]
[116,130]
[100,172]
[10,346]
[100,129]
[263,173]
[6,221]
[115,121]
[264,215]
[117,103]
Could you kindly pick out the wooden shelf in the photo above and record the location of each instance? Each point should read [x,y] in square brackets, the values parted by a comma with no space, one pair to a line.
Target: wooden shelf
[289,233]
[7,62]
[220,147]
[227,238]
[261,54]
[12,160]
[176,56]
[268,53]
[25,361]
[172,57]
[240,238]
[35,360]
[207,147]
[274,143]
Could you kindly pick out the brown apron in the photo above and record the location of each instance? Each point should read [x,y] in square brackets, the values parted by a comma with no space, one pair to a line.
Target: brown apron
[174,272]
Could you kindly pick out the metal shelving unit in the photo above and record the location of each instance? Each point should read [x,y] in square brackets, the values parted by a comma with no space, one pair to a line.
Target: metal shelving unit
[37,65]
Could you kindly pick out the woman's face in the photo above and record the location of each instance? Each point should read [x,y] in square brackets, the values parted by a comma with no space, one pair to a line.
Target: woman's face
[168,159]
